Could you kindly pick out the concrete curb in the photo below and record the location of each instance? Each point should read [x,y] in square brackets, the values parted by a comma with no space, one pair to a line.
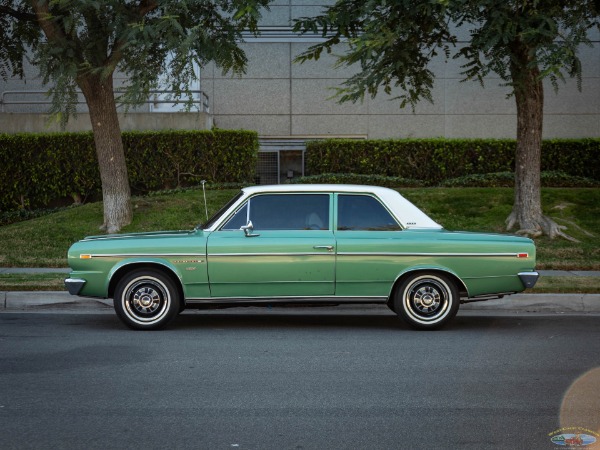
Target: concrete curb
[588,303]
[567,303]
[34,300]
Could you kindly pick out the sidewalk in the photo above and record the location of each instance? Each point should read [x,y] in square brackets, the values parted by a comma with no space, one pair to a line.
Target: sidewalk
[541,303]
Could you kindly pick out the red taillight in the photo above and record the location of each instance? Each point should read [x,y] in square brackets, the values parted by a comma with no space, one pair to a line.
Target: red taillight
[522,255]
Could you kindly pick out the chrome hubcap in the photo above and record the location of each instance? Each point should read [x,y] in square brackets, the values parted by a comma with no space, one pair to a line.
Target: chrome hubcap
[427,299]
[146,300]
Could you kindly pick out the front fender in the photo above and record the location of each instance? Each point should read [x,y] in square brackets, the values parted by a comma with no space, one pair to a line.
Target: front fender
[128,264]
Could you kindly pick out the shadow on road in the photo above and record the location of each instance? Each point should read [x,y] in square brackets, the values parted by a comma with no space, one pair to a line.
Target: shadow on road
[311,320]
[298,320]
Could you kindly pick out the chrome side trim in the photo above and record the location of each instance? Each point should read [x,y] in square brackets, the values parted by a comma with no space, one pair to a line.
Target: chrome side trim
[129,236]
[306,299]
[144,255]
[74,285]
[514,255]
[272,254]
[162,255]
[511,255]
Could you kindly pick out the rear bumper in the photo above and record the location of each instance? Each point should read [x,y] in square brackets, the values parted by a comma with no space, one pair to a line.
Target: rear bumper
[74,285]
[529,279]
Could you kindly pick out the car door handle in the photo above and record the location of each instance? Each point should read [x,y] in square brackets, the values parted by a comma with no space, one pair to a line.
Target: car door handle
[329,248]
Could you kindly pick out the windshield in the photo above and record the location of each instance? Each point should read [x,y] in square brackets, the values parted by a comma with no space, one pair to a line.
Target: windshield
[218,214]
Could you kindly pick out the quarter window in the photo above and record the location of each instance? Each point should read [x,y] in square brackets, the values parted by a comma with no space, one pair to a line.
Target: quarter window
[363,212]
[238,220]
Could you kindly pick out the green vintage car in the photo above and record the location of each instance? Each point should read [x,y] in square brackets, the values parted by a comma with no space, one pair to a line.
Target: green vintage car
[317,244]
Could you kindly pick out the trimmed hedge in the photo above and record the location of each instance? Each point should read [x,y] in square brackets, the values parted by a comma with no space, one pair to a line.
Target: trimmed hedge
[507,179]
[434,160]
[496,179]
[353,178]
[37,168]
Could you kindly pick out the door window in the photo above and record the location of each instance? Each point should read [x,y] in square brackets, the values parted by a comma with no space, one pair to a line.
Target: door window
[283,212]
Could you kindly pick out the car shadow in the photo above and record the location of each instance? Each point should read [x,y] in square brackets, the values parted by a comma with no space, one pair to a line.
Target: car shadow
[313,319]
[296,318]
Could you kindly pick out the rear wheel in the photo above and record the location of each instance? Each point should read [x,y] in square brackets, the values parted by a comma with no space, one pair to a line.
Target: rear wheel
[146,299]
[426,301]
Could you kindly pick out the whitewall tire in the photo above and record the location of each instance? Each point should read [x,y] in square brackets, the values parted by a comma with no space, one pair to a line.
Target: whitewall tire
[426,300]
[146,299]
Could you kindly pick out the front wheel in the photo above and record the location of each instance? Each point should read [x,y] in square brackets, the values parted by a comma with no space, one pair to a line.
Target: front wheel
[426,301]
[146,299]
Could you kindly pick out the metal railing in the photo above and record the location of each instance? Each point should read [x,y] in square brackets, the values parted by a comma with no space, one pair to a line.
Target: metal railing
[201,102]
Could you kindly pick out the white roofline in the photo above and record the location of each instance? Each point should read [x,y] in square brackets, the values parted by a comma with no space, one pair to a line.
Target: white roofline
[408,214]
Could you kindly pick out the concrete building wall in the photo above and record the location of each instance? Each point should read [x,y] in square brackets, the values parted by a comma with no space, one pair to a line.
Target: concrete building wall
[277,97]
[138,121]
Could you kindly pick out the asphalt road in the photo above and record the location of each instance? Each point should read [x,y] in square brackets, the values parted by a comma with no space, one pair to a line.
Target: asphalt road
[297,379]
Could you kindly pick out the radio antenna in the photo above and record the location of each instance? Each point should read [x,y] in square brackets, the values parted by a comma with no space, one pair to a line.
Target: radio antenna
[205,205]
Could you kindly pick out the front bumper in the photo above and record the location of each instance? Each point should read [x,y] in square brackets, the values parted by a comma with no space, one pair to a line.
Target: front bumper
[529,279]
[74,285]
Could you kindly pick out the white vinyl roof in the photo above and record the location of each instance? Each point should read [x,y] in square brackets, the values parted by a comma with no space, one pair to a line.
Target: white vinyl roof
[407,214]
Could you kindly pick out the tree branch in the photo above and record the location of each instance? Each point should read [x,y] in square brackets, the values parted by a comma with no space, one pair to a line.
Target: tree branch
[145,7]
[42,13]
[140,11]
[17,14]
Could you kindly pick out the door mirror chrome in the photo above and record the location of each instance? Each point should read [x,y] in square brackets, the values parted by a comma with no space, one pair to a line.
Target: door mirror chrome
[248,229]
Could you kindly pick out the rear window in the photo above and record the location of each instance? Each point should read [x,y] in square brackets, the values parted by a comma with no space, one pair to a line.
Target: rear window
[363,212]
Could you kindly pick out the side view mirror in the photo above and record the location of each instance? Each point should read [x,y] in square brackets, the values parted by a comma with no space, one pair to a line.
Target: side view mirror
[248,229]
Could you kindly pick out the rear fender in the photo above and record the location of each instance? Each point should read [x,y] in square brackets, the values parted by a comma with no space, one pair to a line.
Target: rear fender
[462,288]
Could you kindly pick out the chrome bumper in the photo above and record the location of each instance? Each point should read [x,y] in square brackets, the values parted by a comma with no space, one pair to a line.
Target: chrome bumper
[74,285]
[529,279]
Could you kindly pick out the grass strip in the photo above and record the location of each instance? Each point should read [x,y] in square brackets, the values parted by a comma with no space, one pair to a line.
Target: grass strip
[43,242]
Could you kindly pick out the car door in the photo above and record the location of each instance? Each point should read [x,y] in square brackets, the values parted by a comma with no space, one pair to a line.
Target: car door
[289,251]
[367,235]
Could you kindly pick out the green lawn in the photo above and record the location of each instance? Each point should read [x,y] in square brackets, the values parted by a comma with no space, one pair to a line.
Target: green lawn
[32,282]
[485,209]
[43,242]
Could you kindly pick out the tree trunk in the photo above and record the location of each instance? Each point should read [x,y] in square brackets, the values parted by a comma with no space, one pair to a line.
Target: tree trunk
[116,194]
[529,96]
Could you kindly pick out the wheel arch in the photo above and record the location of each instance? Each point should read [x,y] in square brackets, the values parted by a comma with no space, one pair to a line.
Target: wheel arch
[460,285]
[126,268]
